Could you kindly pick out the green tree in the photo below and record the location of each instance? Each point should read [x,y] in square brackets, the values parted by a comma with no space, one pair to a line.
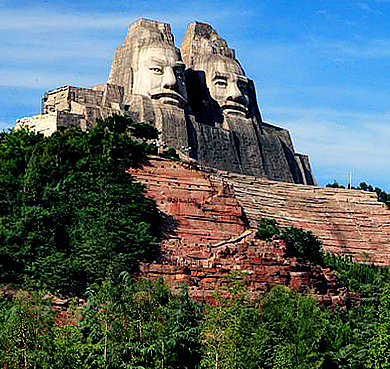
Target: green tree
[266,228]
[142,325]
[25,332]
[353,334]
[303,244]
[295,326]
[379,346]
[71,210]
[335,184]
[232,335]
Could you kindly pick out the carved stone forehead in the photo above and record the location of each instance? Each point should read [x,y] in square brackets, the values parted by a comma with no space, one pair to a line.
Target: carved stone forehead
[146,34]
[220,66]
[160,54]
[147,31]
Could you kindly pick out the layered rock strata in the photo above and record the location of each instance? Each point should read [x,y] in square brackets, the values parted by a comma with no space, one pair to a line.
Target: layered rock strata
[208,236]
[348,222]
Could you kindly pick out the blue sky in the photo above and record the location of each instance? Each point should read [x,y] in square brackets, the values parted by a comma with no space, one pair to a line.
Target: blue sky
[321,68]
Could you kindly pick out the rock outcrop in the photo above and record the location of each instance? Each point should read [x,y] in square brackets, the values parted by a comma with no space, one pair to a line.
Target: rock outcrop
[348,222]
[208,236]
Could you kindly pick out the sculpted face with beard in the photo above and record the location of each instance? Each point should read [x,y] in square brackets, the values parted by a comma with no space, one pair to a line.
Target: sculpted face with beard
[228,85]
[159,75]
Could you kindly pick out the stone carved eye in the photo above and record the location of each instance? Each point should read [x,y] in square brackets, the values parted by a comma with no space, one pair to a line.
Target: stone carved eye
[220,83]
[157,70]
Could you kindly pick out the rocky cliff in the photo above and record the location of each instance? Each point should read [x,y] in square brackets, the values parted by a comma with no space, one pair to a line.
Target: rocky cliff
[348,222]
[209,234]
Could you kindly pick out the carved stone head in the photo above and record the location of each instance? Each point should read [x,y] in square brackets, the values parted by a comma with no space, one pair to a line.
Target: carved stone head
[227,84]
[159,74]
[204,50]
[149,64]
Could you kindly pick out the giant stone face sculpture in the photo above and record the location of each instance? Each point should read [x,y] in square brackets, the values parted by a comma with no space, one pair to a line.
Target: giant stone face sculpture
[203,104]
[204,50]
[151,70]
[227,84]
[160,75]
[262,150]
[149,64]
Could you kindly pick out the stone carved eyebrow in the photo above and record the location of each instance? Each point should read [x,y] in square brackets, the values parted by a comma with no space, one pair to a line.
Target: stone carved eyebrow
[157,61]
[224,76]
[219,75]
[163,62]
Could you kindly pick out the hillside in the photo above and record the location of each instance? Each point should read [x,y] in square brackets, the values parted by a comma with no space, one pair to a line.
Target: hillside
[75,223]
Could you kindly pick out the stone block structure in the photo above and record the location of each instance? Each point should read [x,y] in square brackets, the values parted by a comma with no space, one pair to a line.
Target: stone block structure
[199,99]
[348,222]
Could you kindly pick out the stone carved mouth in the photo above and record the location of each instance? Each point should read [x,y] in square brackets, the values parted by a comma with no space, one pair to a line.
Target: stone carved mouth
[231,107]
[169,97]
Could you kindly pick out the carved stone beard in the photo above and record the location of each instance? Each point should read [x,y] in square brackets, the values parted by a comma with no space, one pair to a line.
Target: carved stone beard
[246,139]
[168,119]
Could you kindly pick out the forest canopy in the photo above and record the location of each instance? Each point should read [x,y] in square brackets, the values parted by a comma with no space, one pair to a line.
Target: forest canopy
[69,211]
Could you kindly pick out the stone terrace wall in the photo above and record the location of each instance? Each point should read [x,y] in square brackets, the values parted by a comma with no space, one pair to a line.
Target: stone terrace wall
[350,222]
[45,123]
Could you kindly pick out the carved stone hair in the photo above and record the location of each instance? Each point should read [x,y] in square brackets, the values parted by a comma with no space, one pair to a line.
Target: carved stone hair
[201,42]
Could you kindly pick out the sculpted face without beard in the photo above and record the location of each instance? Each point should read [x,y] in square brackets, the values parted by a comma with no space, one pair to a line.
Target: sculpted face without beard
[160,75]
[228,85]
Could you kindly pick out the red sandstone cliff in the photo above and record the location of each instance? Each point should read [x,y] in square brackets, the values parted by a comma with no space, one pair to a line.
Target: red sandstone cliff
[208,236]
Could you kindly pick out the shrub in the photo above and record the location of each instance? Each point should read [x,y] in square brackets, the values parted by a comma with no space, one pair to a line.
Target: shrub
[303,244]
[170,154]
[335,184]
[266,228]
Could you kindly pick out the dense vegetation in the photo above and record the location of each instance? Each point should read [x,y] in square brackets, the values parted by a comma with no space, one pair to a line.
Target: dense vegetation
[143,325]
[125,325]
[68,210]
[73,222]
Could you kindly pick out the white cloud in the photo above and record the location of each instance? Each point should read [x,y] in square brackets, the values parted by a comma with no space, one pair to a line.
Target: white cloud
[49,19]
[314,47]
[339,141]
[331,16]
[39,79]
[368,49]
[367,8]
[37,18]
[48,50]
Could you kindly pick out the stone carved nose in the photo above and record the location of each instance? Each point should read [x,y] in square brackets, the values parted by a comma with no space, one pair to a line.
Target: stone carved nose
[234,93]
[169,79]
